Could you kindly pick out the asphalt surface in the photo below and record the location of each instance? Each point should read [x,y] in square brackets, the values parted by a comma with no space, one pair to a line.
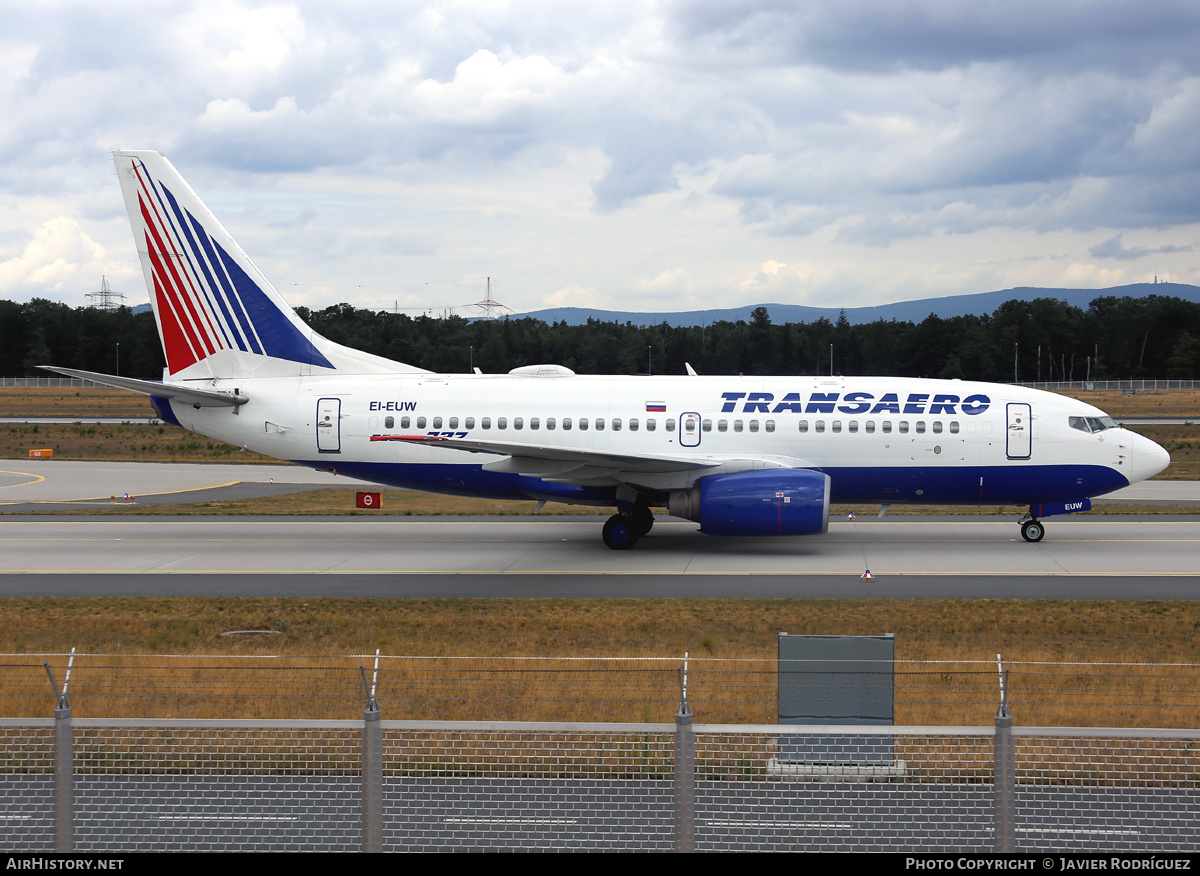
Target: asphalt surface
[1080,558]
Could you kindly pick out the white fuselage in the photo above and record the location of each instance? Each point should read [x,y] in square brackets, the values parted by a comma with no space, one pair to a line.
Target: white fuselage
[879,439]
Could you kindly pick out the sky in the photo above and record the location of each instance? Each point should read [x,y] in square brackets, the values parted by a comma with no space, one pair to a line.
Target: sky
[624,155]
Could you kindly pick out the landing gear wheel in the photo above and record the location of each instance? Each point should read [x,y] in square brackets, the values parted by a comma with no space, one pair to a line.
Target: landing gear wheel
[620,533]
[643,519]
[1032,530]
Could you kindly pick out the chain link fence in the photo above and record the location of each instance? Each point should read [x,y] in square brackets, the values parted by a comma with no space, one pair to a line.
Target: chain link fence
[157,784]
[456,786]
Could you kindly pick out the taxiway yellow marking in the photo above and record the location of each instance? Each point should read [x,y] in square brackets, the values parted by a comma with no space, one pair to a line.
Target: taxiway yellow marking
[106,500]
[25,474]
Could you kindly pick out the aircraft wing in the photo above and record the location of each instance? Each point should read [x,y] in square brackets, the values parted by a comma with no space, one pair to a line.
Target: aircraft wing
[204,398]
[545,460]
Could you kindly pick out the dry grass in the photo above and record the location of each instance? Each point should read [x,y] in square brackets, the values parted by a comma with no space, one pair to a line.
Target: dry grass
[132,442]
[479,673]
[1147,403]
[88,401]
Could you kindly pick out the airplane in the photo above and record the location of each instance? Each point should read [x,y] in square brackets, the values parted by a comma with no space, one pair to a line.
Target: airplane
[741,456]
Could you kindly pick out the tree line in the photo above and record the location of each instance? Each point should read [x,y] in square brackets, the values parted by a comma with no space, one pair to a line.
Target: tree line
[1045,339]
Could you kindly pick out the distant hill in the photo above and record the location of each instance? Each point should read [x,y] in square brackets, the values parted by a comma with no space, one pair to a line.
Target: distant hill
[904,311]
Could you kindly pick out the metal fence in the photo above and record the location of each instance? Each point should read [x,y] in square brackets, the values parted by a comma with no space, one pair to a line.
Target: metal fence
[157,784]
[52,382]
[1149,384]
[443,786]
[585,689]
[1128,385]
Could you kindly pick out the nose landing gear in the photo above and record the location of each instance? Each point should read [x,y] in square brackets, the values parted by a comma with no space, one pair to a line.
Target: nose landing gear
[1032,529]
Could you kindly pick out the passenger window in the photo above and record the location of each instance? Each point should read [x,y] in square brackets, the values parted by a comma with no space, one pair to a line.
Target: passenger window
[770,425]
[420,422]
[616,424]
[389,422]
[534,423]
[502,422]
[920,427]
[737,425]
[470,423]
[633,425]
[754,425]
[583,424]
[722,425]
[486,422]
[706,425]
[405,422]
[870,426]
[904,425]
[566,424]
[886,426]
[837,425]
[437,422]
[518,422]
[937,427]
[804,425]
[549,422]
[670,425]
[954,427]
[852,425]
[651,425]
[820,425]
[599,424]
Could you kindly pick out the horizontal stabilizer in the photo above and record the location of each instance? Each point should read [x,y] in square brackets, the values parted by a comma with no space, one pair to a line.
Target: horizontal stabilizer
[203,398]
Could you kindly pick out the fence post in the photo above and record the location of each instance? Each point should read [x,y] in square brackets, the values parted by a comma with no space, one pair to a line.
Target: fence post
[372,775]
[1005,773]
[685,770]
[64,763]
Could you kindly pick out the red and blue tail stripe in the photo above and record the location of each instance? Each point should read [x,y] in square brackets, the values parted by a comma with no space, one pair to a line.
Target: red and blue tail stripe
[204,299]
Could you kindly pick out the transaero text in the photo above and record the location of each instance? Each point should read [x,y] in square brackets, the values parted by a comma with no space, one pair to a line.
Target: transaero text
[854,403]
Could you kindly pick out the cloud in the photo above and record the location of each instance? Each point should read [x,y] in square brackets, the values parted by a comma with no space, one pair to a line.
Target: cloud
[1114,249]
[631,148]
[57,255]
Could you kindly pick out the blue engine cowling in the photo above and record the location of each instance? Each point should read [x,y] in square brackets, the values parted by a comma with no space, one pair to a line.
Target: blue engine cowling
[773,501]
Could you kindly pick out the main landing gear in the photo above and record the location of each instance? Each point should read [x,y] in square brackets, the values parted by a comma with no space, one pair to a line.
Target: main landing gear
[1032,529]
[622,531]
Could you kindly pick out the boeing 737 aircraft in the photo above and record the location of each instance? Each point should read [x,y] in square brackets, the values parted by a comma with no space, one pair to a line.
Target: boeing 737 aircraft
[741,456]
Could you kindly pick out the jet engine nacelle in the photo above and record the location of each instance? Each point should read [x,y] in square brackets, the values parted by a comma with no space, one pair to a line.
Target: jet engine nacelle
[773,501]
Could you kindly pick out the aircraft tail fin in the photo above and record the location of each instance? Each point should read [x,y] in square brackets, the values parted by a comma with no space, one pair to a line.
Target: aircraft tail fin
[217,314]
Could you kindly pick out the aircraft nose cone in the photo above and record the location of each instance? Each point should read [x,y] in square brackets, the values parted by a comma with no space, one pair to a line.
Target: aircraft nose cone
[1146,458]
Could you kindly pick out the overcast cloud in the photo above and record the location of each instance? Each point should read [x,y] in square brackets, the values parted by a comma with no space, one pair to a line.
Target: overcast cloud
[642,155]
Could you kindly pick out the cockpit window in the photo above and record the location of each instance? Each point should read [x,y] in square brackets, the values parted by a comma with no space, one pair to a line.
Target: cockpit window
[1092,424]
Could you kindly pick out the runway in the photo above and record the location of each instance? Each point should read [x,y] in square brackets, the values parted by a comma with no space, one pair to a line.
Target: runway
[49,484]
[953,557]
[60,484]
